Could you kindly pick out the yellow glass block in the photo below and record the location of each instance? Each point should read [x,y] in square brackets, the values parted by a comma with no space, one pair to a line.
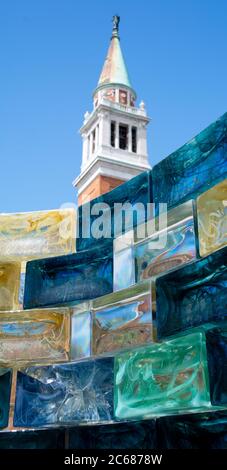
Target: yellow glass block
[9,286]
[34,336]
[212,219]
[41,234]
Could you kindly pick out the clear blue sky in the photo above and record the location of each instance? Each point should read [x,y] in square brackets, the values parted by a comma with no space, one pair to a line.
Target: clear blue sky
[51,54]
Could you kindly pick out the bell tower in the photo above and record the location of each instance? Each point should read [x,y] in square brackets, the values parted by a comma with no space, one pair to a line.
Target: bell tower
[114,133]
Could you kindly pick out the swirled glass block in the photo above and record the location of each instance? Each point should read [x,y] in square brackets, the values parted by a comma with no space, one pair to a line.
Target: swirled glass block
[68,280]
[169,248]
[193,168]
[123,319]
[5,390]
[212,218]
[9,285]
[37,234]
[34,336]
[103,215]
[64,394]
[192,295]
[139,435]
[165,378]
[193,431]
[81,332]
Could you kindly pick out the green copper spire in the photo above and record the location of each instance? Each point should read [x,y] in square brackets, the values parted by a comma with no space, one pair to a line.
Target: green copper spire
[114,71]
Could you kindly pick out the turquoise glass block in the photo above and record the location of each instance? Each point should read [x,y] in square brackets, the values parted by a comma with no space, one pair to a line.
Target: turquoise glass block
[64,394]
[67,280]
[217,363]
[169,248]
[136,193]
[192,295]
[193,168]
[138,435]
[159,379]
[123,320]
[5,390]
[81,332]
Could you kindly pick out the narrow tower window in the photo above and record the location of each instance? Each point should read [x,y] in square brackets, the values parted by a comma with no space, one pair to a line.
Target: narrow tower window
[123,136]
[112,133]
[134,139]
[93,140]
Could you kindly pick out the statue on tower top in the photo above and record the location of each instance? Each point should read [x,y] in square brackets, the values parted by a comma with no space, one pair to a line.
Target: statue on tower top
[116,21]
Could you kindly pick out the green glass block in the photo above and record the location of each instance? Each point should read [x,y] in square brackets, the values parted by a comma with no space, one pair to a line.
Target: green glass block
[165,378]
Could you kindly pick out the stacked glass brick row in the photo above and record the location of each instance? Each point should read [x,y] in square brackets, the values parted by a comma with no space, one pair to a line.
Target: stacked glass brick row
[128,327]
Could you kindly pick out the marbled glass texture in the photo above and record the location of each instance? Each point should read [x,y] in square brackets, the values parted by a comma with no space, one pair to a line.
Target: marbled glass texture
[81,330]
[124,263]
[136,193]
[212,219]
[9,286]
[138,435]
[193,168]
[69,279]
[124,323]
[37,234]
[163,378]
[5,389]
[168,249]
[37,335]
[192,295]
[194,431]
[217,363]
[64,394]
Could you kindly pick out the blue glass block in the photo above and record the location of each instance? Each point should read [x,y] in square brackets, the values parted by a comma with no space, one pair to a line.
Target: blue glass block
[136,191]
[194,431]
[193,168]
[45,439]
[67,280]
[64,394]
[5,390]
[81,331]
[167,249]
[192,295]
[217,363]
[138,435]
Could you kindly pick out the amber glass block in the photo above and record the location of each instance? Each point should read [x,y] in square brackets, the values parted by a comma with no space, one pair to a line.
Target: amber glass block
[9,286]
[34,336]
[40,234]
[212,219]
